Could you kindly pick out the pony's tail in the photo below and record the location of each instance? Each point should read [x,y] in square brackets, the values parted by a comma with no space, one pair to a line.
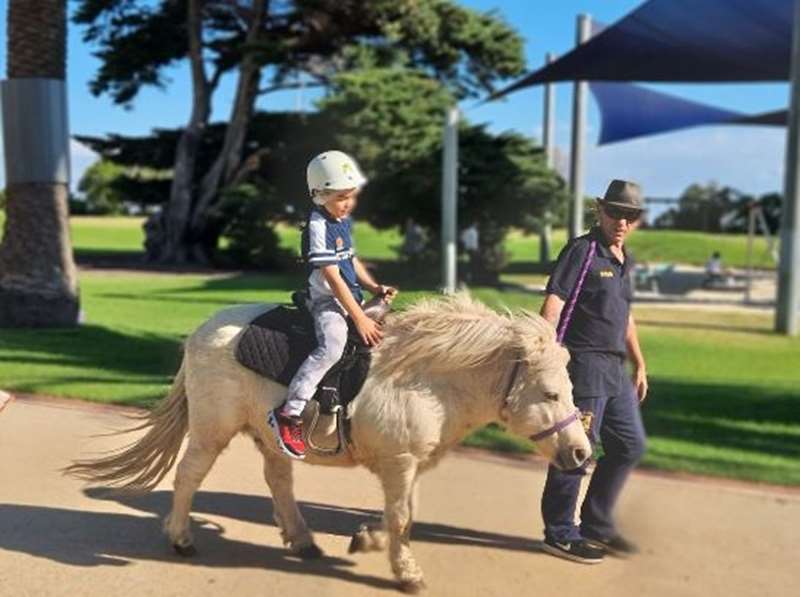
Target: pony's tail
[138,467]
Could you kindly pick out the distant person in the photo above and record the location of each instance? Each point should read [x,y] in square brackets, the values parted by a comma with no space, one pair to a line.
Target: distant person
[470,241]
[714,265]
[413,239]
[588,298]
[715,271]
[334,288]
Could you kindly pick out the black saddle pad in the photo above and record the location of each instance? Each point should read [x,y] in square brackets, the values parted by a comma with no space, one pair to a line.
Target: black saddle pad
[276,344]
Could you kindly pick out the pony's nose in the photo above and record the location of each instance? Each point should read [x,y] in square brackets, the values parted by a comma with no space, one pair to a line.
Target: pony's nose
[580,455]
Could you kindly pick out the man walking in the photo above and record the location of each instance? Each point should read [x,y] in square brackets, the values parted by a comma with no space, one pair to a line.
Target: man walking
[588,297]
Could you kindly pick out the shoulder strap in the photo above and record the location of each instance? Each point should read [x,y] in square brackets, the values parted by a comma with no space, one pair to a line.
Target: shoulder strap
[567,315]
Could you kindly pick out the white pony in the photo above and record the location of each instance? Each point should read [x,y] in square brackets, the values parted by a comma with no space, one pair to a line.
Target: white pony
[446,366]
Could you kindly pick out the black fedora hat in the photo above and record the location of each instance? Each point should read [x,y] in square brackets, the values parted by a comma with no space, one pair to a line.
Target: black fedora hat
[624,194]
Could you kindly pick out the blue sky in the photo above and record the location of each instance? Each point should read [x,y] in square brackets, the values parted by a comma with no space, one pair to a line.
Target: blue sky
[748,158]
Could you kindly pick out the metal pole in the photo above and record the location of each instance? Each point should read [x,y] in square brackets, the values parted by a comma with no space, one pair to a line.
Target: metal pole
[751,231]
[788,279]
[583,33]
[548,141]
[548,126]
[449,203]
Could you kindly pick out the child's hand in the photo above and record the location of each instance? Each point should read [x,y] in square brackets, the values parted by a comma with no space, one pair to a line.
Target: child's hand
[369,330]
[387,292]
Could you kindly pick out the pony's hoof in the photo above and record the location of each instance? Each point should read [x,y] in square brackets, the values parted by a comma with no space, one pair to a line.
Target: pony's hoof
[186,551]
[310,552]
[358,543]
[413,587]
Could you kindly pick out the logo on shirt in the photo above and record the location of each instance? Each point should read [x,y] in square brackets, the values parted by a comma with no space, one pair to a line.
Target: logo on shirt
[606,273]
[339,243]
[586,420]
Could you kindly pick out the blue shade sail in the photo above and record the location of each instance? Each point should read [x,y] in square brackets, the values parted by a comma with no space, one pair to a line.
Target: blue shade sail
[776,118]
[629,111]
[682,40]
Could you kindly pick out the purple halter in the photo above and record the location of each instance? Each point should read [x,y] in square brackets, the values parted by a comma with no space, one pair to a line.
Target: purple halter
[575,416]
[567,316]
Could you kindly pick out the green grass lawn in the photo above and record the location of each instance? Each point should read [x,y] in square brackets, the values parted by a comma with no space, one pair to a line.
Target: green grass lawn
[662,246]
[725,391]
[108,235]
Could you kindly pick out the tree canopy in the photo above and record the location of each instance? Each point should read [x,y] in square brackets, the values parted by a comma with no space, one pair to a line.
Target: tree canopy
[269,45]
[467,50]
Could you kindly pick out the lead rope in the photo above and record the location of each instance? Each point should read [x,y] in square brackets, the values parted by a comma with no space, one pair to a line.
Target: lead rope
[567,316]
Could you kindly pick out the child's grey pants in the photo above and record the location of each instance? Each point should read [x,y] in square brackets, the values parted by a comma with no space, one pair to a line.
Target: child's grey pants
[330,325]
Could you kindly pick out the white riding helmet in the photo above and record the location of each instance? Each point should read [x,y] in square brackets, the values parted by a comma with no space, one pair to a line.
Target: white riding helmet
[332,171]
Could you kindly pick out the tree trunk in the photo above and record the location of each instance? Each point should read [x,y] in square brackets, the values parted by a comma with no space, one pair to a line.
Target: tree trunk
[38,281]
[203,229]
[167,233]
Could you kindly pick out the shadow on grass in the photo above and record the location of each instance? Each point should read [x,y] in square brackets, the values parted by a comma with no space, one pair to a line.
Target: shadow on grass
[725,416]
[781,473]
[650,321]
[106,258]
[95,347]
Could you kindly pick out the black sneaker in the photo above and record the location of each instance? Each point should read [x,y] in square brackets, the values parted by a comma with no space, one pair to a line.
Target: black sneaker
[578,551]
[616,546]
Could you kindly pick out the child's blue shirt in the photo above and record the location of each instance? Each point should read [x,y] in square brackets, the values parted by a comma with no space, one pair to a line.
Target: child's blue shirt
[328,241]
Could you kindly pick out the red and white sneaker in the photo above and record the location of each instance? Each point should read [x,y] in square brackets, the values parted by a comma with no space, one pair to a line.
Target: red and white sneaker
[289,433]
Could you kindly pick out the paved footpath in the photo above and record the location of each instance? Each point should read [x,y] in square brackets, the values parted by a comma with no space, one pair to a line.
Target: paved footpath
[476,533]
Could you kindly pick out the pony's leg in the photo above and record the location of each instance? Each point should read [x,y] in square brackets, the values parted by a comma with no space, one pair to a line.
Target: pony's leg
[294,532]
[193,468]
[371,536]
[398,477]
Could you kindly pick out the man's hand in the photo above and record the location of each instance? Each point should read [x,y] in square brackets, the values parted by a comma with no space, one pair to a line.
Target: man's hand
[640,382]
[369,330]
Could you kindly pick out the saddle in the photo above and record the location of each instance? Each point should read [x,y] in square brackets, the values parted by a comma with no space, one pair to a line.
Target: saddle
[276,343]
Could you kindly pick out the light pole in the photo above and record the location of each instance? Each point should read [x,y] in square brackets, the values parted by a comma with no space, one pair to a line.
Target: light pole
[788,281]
[583,33]
[449,200]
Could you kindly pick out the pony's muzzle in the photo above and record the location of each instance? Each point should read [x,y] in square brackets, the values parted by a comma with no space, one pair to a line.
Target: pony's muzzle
[571,458]
[580,455]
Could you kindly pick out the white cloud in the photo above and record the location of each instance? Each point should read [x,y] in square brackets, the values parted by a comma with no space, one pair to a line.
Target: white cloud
[81,157]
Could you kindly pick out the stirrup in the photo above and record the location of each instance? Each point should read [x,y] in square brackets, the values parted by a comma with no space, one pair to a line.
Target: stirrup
[311,427]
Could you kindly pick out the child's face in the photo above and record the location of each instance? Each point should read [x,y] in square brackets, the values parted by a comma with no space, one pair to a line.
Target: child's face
[341,203]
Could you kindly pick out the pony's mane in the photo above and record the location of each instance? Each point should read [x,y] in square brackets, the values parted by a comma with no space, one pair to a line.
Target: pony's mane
[459,332]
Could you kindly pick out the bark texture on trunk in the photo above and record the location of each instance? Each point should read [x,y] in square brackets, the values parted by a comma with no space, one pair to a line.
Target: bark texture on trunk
[38,281]
[202,227]
[37,34]
[167,233]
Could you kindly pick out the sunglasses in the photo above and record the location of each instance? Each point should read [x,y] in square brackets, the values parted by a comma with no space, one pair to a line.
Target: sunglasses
[621,213]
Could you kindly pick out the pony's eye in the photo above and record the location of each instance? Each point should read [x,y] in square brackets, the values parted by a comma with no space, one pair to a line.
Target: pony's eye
[551,395]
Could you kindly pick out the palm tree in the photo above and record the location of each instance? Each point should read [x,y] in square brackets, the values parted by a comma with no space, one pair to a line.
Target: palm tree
[38,281]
